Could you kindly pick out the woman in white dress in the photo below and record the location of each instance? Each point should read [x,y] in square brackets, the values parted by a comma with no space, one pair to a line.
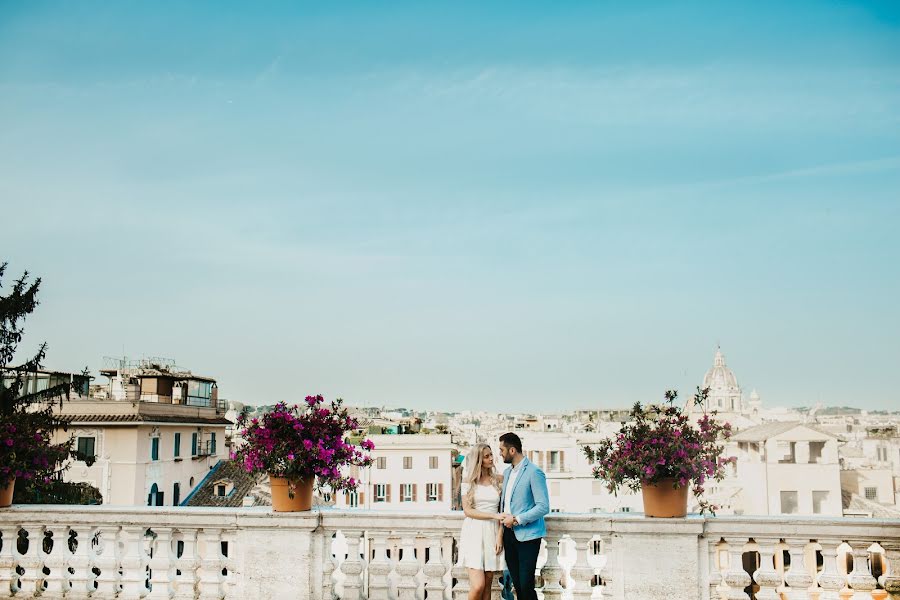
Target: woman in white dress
[481,539]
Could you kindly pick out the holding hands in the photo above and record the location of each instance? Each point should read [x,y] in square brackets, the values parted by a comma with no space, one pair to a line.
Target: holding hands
[508,520]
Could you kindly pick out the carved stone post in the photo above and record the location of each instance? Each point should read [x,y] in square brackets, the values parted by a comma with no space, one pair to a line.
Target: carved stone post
[715,572]
[582,572]
[210,570]
[434,568]
[736,578]
[162,569]
[134,562]
[57,562]
[31,562]
[890,579]
[766,576]
[407,568]
[108,562]
[353,567]
[552,571]
[461,589]
[860,579]
[379,569]
[797,576]
[830,579]
[8,576]
[186,564]
[82,562]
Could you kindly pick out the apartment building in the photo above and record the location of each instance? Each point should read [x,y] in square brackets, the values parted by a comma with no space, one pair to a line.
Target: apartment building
[409,472]
[786,468]
[154,430]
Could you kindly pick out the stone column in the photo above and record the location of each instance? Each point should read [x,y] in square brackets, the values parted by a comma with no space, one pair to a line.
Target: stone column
[57,562]
[161,565]
[766,576]
[134,562]
[890,579]
[81,561]
[434,568]
[379,569]
[185,582]
[552,571]
[407,568]
[353,567]
[830,579]
[860,579]
[797,575]
[736,577]
[108,562]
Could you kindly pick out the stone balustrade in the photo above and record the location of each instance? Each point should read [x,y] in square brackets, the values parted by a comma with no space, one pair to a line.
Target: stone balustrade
[214,553]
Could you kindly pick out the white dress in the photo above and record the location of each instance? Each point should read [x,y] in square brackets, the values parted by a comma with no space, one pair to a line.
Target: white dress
[478,537]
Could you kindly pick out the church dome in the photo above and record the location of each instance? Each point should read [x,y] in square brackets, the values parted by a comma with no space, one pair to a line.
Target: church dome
[720,378]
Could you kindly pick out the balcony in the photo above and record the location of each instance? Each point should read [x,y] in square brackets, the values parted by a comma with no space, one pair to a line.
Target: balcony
[212,553]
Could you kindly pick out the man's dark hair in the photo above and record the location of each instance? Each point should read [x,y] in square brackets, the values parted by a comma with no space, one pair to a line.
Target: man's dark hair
[512,440]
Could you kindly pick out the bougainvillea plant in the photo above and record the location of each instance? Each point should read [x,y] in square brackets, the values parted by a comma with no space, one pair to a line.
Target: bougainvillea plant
[660,442]
[300,442]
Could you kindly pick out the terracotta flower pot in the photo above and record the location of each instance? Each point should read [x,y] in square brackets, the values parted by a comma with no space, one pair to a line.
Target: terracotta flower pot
[281,494]
[662,499]
[6,493]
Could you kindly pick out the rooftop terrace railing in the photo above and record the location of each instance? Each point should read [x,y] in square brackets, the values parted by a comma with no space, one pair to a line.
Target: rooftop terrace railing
[211,553]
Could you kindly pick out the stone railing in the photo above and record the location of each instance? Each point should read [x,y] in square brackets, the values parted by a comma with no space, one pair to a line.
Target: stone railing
[211,553]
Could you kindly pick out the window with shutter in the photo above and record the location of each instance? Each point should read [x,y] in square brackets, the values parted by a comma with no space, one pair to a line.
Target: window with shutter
[562,460]
[440,492]
[415,492]
[362,499]
[387,494]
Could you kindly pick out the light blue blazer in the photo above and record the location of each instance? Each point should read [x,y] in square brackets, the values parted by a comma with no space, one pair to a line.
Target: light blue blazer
[529,500]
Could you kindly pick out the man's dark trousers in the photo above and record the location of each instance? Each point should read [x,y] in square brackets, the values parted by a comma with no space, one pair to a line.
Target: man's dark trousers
[521,561]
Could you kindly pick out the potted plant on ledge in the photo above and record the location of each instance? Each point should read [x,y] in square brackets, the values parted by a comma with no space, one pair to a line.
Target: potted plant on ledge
[297,446]
[661,452]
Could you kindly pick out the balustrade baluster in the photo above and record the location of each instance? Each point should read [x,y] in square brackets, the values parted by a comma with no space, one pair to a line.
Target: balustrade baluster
[329,564]
[81,581]
[552,571]
[582,573]
[736,578]
[461,589]
[715,571]
[379,569]
[766,576]
[134,562]
[890,579]
[57,562]
[434,569]
[211,562]
[107,561]
[407,568]
[353,566]
[162,564]
[185,581]
[830,579]
[860,579]
[8,577]
[31,562]
[797,577]
[606,570]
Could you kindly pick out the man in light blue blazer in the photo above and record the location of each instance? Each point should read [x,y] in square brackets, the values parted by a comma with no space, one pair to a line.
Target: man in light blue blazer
[524,502]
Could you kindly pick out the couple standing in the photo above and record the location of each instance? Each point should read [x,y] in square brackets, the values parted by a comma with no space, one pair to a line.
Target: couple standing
[504,521]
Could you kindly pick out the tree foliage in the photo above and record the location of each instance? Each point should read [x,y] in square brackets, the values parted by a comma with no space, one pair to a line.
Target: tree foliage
[27,418]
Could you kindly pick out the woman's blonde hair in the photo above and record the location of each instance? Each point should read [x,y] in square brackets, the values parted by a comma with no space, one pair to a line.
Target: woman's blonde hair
[474,470]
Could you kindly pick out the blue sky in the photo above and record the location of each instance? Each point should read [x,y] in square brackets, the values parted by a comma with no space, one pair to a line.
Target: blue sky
[535,206]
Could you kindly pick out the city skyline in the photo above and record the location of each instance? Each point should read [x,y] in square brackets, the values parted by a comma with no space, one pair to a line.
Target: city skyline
[447,208]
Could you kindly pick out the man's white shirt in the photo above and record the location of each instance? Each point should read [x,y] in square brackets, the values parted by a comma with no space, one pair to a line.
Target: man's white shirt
[509,485]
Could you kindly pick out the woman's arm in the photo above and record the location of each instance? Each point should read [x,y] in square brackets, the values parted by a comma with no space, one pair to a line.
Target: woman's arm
[477,514]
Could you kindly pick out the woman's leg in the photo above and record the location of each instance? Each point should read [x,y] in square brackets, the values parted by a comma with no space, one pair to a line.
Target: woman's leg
[488,580]
[476,584]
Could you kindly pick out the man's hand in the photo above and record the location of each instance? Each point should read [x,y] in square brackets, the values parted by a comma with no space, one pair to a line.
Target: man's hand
[509,521]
